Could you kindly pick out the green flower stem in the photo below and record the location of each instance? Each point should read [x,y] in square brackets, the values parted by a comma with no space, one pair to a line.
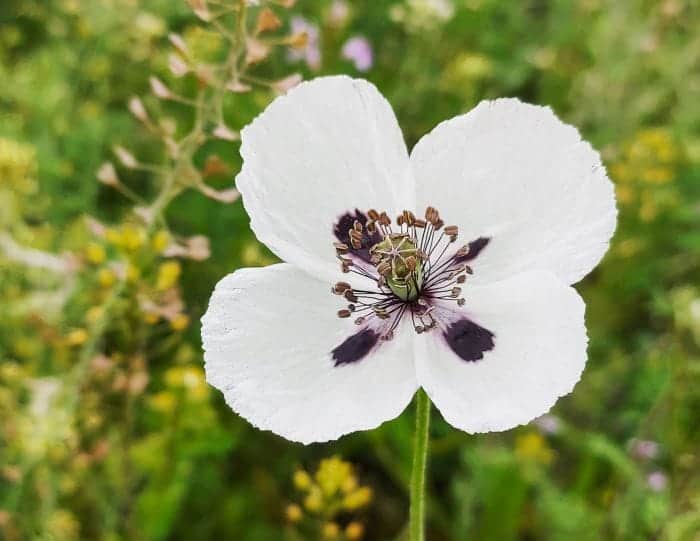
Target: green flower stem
[420,458]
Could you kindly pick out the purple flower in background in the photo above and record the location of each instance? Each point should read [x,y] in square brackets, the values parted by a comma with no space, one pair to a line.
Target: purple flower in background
[548,423]
[311,54]
[359,51]
[657,481]
[644,449]
[339,13]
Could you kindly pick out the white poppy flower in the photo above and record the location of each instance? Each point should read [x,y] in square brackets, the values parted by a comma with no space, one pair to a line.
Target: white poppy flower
[480,313]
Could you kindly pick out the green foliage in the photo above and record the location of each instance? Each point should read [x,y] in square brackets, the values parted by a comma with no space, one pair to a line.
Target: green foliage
[109,430]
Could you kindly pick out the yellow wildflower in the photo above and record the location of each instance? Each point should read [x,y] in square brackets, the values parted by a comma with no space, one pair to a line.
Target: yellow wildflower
[77,337]
[164,402]
[294,513]
[160,241]
[332,474]
[314,500]
[95,253]
[179,322]
[106,277]
[354,531]
[357,499]
[330,530]
[533,447]
[168,275]
[302,480]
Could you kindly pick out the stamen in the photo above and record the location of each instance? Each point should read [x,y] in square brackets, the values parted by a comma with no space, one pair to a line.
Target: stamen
[414,268]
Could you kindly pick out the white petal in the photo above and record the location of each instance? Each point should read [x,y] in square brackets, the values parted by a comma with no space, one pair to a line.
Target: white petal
[268,336]
[328,146]
[539,352]
[517,174]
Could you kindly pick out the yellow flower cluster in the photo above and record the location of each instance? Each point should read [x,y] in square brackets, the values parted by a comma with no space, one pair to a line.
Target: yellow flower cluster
[181,382]
[645,171]
[333,489]
[17,166]
[130,252]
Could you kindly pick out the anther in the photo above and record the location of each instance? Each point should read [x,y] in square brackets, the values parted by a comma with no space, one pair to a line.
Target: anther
[355,234]
[468,269]
[460,302]
[384,219]
[464,250]
[431,214]
[437,224]
[420,223]
[455,292]
[341,247]
[373,215]
[359,321]
[344,313]
[350,296]
[341,287]
[351,307]
[357,226]
[371,227]
[461,279]
[384,268]
[452,231]
[419,329]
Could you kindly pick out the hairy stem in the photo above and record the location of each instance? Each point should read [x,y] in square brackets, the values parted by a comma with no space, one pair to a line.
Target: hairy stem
[420,458]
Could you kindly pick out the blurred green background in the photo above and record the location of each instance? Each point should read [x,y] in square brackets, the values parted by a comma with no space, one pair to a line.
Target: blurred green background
[117,218]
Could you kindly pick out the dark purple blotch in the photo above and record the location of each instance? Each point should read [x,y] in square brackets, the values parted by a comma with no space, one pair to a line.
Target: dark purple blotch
[345,223]
[468,340]
[475,248]
[355,347]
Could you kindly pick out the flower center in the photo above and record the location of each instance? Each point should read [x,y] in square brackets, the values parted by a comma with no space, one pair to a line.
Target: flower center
[410,262]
